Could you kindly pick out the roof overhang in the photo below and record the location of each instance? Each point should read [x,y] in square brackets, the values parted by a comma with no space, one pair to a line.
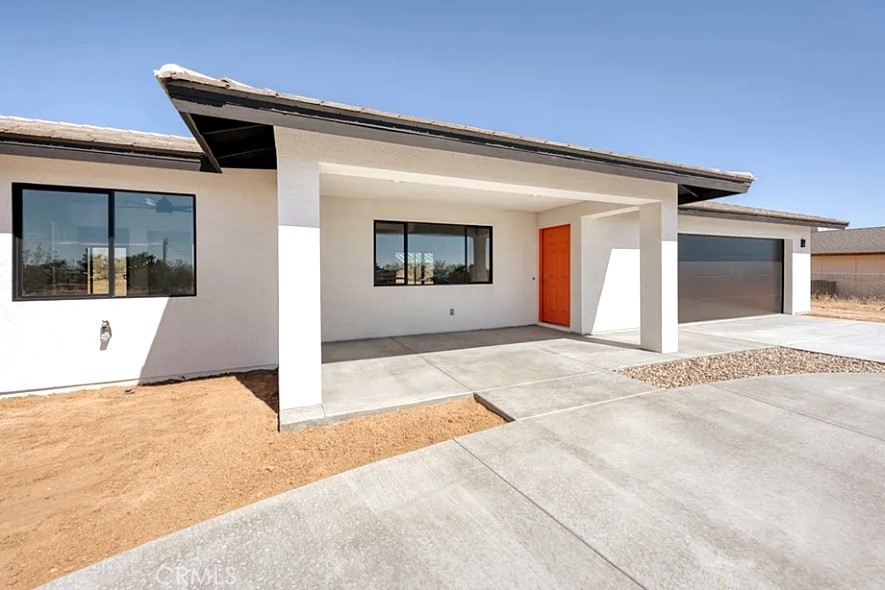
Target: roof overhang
[107,155]
[234,124]
[761,216]
[86,150]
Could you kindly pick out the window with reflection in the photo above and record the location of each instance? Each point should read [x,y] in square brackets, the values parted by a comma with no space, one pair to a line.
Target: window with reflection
[411,253]
[390,253]
[479,254]
[82,243]
[153,244]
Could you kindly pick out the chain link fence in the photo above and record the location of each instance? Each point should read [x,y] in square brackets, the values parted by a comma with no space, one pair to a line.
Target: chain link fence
[848,285]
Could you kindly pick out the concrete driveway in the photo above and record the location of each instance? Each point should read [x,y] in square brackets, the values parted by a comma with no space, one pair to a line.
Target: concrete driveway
[864,340]
[772,482]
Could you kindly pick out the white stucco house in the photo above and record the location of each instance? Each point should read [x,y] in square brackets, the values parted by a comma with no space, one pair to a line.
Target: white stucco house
[287,221]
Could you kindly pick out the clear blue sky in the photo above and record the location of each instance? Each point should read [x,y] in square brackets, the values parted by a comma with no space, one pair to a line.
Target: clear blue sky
[791,91]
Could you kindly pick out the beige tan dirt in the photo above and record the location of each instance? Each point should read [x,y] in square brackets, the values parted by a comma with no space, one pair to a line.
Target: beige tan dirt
[749,363]
[868,310]
[89,474]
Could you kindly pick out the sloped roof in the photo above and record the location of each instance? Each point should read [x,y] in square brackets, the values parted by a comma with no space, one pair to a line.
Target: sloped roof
[709,208]
[198,95]
[18,127]
[864,240]
[36,137]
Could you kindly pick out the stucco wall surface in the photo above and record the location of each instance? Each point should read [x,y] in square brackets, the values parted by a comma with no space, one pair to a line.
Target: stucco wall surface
[231,323]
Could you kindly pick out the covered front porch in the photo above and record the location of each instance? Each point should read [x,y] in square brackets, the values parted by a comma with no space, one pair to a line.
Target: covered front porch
[342,169]
[328,216]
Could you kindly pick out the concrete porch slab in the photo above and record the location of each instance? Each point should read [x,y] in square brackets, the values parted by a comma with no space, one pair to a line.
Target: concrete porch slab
[449,341]
[356,350]
[358,386]
[303,417]
[503,365]
[383,374]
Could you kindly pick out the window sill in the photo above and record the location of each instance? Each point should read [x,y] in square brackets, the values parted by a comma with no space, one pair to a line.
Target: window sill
[97,297]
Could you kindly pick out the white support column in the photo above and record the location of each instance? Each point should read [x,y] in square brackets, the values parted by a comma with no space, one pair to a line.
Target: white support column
[298,226]
[797,275]
[659,274]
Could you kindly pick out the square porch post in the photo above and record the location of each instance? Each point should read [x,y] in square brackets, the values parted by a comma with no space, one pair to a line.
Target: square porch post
[298,227]
[659,274]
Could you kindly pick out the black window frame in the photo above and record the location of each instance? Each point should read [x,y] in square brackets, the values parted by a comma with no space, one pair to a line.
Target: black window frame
[18,189]
[405,226]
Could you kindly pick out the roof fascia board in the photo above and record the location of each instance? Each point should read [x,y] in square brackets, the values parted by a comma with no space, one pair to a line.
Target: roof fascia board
[214,166]
[193,98]
[760,218]
[100,155]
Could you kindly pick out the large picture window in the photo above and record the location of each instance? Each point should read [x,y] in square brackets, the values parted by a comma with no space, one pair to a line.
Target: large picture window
[88,243]
[432,254]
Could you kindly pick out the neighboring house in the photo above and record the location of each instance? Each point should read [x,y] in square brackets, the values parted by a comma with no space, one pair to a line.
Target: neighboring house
[291,221]
[849,263]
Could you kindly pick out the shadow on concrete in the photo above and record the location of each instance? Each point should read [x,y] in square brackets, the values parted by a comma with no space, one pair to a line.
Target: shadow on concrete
[612,343]
[353,350]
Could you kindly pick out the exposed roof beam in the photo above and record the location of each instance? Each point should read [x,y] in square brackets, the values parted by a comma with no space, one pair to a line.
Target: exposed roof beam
[234,128]
[210,157]
[246,153]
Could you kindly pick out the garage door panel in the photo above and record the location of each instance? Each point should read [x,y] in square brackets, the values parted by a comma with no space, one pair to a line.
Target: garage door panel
[726,277]
[700,268]
[726,308]
[745,303]
[699,288]
[717,308]
[756,269]
[729,269]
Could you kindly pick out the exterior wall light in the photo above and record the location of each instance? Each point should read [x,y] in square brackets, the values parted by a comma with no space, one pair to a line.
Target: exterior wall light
[105,334]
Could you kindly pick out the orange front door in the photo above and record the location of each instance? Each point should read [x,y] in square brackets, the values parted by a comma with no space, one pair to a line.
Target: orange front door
[555,246]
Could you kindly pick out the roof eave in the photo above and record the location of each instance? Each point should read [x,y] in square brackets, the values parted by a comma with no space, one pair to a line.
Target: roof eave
[100,153]
[191,97]
[781,220]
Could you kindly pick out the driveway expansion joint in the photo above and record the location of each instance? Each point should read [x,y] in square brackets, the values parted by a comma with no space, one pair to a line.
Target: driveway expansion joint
[723,386]
[565,527]
[599,403]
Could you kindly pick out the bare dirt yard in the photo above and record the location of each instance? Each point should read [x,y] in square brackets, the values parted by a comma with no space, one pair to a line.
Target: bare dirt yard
[868,310]
[89,474]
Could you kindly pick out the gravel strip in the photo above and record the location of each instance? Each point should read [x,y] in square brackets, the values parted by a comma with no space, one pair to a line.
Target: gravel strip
[750,363]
